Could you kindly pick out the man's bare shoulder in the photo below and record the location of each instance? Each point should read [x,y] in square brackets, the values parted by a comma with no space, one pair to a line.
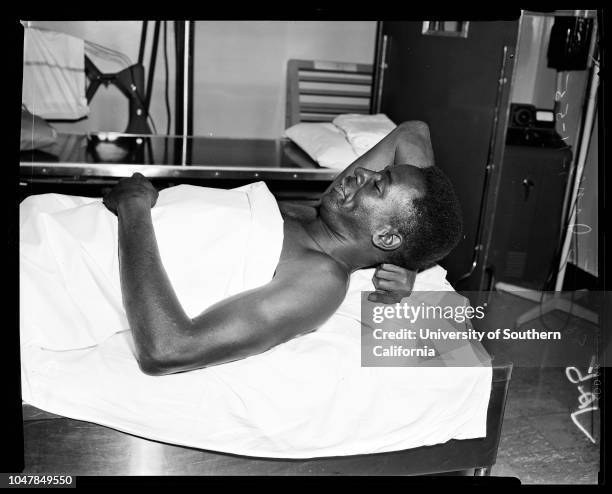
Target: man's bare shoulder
[316,270]
[297,211]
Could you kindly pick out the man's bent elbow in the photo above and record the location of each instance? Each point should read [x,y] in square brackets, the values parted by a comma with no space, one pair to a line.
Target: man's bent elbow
[157,364]
[163,364]
[415,126]
[150,367]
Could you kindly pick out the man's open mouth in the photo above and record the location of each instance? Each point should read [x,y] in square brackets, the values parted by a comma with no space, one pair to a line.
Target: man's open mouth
[342,186]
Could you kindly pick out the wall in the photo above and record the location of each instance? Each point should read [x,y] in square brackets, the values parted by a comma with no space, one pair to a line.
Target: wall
[528,71]
[239,70]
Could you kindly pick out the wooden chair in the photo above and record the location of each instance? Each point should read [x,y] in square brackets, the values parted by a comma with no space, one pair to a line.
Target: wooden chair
[318,91]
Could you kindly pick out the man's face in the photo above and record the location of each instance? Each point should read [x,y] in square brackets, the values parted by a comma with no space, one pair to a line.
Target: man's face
[369,199]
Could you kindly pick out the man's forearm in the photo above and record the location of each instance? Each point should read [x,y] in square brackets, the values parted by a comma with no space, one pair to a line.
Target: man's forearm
[154,312]
[408,144]
[414,145]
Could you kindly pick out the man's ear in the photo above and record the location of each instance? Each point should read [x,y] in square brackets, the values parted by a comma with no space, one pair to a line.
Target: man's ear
[387,238]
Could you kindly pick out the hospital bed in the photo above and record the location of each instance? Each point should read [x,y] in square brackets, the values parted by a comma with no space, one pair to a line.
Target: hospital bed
[58,444]
[86,165]
[90,164]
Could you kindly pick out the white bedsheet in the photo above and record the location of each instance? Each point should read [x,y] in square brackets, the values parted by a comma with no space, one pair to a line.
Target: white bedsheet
[306,398]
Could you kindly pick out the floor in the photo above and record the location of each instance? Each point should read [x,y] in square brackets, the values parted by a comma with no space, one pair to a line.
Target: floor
[540,443]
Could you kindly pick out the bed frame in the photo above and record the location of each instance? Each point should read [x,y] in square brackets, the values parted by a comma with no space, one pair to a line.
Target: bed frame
[55,444]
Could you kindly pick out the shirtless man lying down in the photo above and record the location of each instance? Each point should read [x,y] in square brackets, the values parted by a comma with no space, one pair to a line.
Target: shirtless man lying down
[391,206]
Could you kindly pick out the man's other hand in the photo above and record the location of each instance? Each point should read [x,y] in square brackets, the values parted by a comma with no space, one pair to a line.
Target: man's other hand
[392,284]
[135,188]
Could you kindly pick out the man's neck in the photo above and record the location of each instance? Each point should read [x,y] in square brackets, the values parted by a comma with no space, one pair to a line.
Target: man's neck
[345,250]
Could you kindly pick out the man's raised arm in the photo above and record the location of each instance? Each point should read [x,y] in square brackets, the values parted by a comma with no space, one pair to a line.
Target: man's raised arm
[408,144]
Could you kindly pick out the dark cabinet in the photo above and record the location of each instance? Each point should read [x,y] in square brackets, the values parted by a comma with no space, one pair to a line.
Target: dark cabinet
[527,231]
[456,77]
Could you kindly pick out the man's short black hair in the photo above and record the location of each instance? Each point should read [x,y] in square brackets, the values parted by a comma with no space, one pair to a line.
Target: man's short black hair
[432,224]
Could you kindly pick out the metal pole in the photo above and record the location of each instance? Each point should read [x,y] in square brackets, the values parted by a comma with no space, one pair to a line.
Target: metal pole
[580,162]
[190,62]
[185,91]
[143,41]
[149,89]
[178,87]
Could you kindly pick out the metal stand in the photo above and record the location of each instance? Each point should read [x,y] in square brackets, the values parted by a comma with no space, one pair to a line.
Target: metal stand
[130,81]
[183,89]
[152,59]
[549,303]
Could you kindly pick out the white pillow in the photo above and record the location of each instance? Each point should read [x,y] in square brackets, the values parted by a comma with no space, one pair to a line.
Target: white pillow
[364,131]
[324,143]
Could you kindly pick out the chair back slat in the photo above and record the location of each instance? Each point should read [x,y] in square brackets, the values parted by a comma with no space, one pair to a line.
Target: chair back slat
[318,91]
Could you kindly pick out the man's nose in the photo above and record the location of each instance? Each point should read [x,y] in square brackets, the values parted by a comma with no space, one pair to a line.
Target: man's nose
[363,174]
